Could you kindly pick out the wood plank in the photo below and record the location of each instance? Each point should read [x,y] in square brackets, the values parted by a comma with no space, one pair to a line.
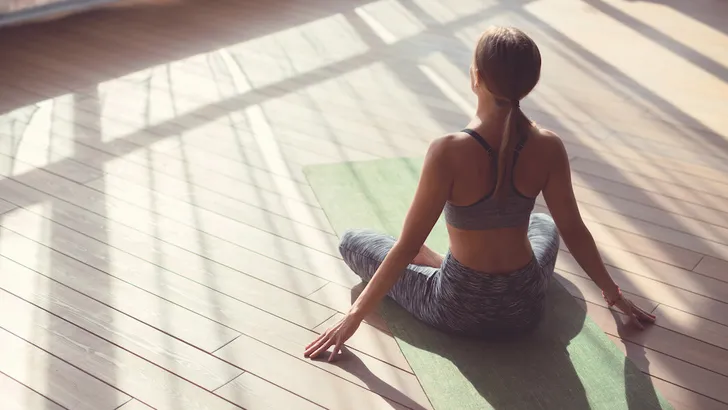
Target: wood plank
[655,232]
[670,318]
[214,30]
[645,160]
[684,399]
[66,110]
[108,363]
[253,393]
[258,205]
[584,136]
[343,113]
[220,307]
[635,243]
[50,376]
[71,170]
[224,139]
[17,396]
[182,125]
[655,270]
[660,271]
[96,54]
[412,53]
[657,216]
[187,89]
[671,296]
[92,275]
[261,176]
[251,152]
[673,345]
[24,158]
[64,114]
[355,110]
[667,188]
[695,154]
[128,226]
[115,327]
[708,357]
[657,235]
[686,136]
[692,326]
[715,268]
[6,206]
[257,225]
[265,243]
[585,289]
[139,164]
[651,199]
[669,368]
[135,405]
[254,244]
[310,382]
[141,273]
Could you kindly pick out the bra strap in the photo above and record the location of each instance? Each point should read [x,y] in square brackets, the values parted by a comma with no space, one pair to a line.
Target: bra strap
[480,140]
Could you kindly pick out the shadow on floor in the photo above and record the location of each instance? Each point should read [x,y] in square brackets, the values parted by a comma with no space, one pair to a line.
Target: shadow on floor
[566,364]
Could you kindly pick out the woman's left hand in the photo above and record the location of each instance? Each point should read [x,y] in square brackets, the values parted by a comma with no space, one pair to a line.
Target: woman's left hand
[335,336]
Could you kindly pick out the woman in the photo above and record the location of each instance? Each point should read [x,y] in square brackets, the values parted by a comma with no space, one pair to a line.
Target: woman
[486,178]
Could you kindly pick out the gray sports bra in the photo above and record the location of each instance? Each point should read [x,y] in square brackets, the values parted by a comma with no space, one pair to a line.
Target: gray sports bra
[485,213]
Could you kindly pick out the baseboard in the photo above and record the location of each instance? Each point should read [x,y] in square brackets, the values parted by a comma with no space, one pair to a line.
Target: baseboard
[50,11]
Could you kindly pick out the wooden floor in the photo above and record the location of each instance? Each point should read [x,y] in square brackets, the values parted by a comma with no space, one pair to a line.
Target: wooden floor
[160,247]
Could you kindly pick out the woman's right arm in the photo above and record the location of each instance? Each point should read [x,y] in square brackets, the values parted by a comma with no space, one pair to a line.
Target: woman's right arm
[559,196]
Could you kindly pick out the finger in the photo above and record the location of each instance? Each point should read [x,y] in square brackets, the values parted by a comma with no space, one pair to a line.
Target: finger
[335,352]
[641,313]
[636,322]
[321,336]
[322,348]
[644,315]
[322,341]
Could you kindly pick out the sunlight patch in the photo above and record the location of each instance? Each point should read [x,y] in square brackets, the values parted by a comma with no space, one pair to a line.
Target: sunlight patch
[447,12]
[451,80]
[390,20]
[657,88]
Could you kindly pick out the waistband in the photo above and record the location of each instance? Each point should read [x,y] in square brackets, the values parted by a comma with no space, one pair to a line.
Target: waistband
[450,264]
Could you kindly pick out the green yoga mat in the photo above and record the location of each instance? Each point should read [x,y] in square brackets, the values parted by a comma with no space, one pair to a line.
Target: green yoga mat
[569,363]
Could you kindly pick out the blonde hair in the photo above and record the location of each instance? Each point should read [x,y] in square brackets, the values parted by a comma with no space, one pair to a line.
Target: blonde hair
[508,63]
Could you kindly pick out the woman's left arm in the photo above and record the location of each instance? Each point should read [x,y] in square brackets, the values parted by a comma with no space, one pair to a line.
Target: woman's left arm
[432,192]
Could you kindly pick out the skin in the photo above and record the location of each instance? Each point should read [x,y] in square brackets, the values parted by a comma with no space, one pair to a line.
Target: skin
[458,170]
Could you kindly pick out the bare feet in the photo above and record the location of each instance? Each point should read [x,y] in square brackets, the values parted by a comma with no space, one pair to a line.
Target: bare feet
[427,257]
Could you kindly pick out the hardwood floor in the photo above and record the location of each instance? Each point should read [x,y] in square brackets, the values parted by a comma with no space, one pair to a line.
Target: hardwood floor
[161,248]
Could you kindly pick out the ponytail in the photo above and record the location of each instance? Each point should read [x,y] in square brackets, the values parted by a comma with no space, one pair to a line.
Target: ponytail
[507,147]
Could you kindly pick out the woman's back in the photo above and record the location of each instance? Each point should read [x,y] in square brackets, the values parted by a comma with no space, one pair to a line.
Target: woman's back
[482,235]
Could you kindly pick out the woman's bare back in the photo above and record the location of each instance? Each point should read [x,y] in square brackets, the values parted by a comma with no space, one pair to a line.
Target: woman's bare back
[498,250]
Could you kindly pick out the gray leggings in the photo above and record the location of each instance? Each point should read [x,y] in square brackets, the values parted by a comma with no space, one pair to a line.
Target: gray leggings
[457,299]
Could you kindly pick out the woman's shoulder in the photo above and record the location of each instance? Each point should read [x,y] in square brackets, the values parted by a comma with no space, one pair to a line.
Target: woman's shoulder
[449,143]
[545,135]
[548,142]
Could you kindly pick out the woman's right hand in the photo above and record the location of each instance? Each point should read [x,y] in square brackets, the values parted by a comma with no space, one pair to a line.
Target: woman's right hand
[636,315]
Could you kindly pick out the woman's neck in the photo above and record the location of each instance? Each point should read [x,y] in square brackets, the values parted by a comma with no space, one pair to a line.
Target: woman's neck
[488,117]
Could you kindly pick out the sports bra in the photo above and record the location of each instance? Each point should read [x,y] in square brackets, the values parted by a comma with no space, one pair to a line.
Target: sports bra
[486,213]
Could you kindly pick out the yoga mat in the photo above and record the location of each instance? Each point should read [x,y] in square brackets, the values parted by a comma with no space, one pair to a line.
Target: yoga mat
[568,363]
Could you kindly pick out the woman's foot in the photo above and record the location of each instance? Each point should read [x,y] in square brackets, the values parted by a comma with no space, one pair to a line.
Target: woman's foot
[427,257]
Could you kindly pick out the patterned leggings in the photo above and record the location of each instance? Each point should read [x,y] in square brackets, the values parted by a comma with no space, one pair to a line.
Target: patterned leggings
[457,299]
